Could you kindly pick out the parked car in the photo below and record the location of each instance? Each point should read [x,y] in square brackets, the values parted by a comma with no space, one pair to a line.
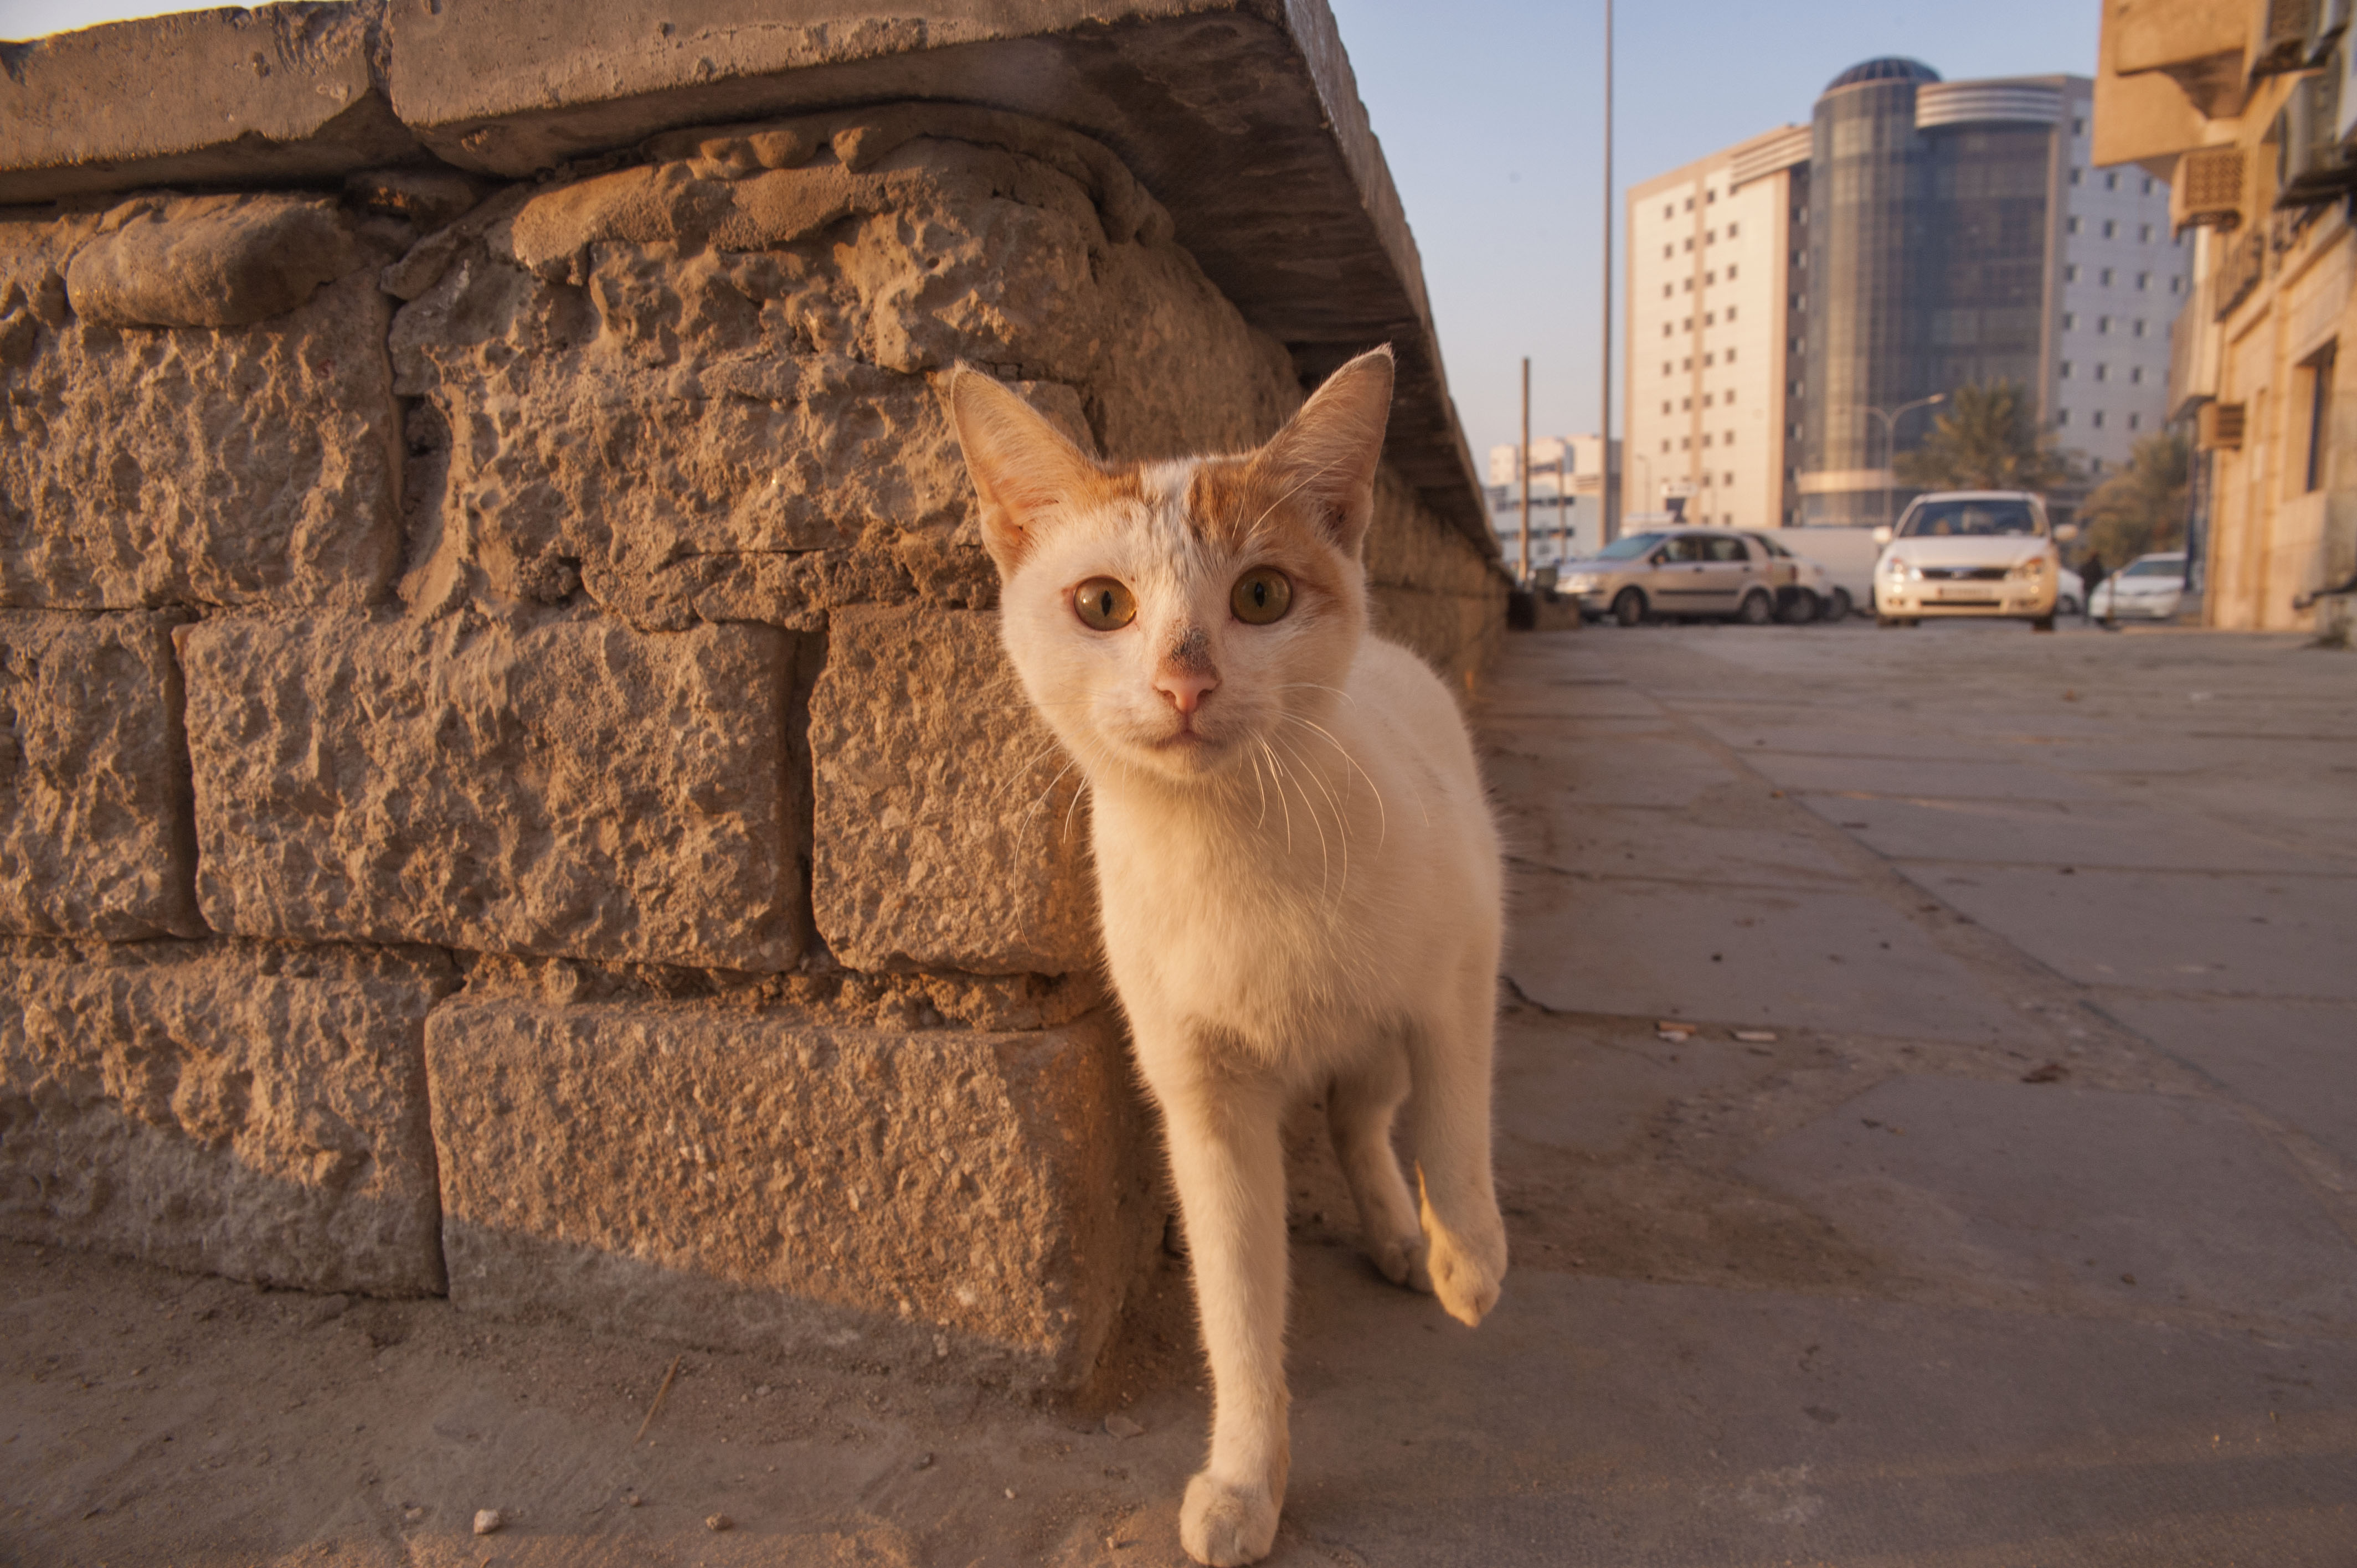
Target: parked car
[1805,590]
[1984,553]
[2070,592]
[2146,588]
[1678,572]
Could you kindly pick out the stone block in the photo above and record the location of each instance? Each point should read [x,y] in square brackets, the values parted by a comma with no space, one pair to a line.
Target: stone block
[702,387]
[235,1108]
[143,467]
[569,786]
[739,1179]
[94,824]
[208,261]
[278,94]
[946,829]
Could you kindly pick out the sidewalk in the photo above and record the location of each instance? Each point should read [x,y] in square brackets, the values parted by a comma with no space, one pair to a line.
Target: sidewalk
[2025,1237]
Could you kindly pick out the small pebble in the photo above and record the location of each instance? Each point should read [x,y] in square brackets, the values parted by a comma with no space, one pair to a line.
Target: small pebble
[1010,1493]
[411,1514]
[1757,1036]
[718,1522]
[1120,1425]
[487,1521]
[924,1462]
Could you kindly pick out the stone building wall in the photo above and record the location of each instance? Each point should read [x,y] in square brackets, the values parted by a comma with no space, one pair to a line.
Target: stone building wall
[508,786]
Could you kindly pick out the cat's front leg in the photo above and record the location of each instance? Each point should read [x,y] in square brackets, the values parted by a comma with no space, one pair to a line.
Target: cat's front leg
[1360,1108]
[1229,1165]
[1448,1122]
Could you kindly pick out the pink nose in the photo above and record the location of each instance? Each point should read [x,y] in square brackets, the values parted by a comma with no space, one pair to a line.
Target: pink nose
[1185,688]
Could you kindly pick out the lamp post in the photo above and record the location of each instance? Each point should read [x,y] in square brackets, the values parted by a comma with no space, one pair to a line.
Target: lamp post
[1890,442]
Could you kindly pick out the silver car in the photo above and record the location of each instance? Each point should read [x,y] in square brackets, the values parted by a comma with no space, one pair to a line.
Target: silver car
[2146,588]
[1676,572]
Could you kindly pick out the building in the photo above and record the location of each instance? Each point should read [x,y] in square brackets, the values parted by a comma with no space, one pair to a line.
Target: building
[2248,110]
[1797,300]
[1566,519]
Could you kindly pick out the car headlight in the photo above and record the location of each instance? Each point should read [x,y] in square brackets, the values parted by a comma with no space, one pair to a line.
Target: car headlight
[2032,569]
[1902,571]
[1578,582]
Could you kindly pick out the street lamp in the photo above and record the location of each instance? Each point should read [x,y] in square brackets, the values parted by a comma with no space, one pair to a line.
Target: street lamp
[1889,441]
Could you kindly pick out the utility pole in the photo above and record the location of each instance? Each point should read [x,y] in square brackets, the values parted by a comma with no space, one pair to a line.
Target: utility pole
[1605,531]
[1562,505]
[1525,466]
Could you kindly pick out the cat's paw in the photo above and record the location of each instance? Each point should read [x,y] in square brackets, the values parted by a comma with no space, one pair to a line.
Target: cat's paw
[1467,1271]
[1222,1525]
[1401,1261]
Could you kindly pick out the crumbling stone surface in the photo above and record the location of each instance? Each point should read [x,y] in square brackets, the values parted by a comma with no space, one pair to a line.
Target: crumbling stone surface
[238,1108]
[253,466]
[729,1179]
[947,832]
[708,379]
[208,261]
[95,826]
[1431,588]
[564,786]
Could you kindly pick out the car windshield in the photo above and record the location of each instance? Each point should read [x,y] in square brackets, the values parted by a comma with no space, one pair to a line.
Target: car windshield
[1968,520]
[2156,569]
[1629,549]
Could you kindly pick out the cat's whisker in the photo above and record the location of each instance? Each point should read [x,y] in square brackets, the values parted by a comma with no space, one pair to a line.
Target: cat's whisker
[1048,794]
[1383,816]
[1262,785]
[1341,819]
[1074,805]
[1284,804]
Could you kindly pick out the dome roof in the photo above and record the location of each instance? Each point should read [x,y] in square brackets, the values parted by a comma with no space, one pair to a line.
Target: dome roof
[1889,68]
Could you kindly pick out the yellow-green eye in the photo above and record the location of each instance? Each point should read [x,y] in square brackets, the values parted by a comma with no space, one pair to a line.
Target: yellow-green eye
[1261,595]
[1104,603]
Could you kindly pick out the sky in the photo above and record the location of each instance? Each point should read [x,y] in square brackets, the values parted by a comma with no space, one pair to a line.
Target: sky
[1490,114]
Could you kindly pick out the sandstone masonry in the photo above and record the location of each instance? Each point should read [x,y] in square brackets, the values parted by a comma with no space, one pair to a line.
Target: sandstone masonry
[508,782]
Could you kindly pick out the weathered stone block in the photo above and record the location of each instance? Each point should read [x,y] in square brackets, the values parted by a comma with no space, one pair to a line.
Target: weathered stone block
[706,381]
[567,788]
[243,1108]
[946,832]
[146,467]
[210,261]
[739,1179]
[94,828]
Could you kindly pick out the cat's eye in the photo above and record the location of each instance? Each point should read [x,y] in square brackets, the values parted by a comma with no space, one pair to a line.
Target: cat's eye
[1261,595]
[1104,603]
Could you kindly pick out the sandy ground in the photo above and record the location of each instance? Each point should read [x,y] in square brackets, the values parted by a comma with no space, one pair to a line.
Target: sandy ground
[2020,1229]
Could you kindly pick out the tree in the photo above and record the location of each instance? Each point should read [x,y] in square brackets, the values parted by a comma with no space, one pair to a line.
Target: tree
[1985,439]
[2142,508]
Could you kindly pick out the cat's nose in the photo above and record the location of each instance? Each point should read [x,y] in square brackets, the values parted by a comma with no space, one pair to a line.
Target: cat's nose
[1186,687]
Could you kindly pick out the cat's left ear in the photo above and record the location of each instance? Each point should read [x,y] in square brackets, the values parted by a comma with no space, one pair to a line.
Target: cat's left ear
[1023,469]
[1326,455]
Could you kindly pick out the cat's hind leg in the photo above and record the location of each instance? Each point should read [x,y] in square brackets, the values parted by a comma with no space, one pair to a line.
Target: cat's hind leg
[1449,1055]
[1228,1162]
[1360,1108]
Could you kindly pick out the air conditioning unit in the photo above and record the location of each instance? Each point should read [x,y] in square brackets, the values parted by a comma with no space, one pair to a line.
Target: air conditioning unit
[2208,189]
[2217,426]
[2285,30]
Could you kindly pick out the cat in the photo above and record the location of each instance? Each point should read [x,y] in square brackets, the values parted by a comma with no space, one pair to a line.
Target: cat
[1298,874]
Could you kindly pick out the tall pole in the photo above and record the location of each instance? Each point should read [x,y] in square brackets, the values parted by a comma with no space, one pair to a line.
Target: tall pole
[1604,418]
[1563,506]
[1525,466]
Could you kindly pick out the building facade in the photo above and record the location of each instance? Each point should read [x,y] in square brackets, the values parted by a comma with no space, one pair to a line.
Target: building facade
[1797,301]
[1567,488]
[2249,110]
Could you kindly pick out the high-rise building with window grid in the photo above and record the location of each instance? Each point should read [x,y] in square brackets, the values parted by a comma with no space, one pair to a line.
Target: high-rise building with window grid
[1791,296]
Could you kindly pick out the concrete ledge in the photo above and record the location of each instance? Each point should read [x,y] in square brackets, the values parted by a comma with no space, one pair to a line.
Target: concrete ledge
[736,1179]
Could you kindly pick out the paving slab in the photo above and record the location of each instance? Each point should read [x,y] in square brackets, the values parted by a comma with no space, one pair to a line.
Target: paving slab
[1566,833]
[2125,836]
[2087,1200]
[1911,779]
[1745,955]
[2296,1061]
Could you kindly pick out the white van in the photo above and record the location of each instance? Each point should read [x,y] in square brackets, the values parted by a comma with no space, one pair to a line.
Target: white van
[1988,554]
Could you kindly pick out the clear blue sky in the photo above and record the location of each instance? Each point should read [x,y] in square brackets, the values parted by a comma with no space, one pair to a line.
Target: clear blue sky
[1490,114]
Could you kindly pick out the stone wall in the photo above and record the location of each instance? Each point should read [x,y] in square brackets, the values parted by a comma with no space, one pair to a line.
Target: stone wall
[509,786]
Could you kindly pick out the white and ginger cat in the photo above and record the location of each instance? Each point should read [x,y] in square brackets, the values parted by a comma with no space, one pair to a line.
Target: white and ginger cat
[1296,862]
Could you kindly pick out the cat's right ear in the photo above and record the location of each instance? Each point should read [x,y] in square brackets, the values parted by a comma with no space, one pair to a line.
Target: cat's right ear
[1023,467]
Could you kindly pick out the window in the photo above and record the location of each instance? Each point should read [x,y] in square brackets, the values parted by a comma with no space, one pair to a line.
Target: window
[2105,277]
[2061,416]
[1665,367]
[1726,396]
[1667,290]
[1685,403]
[2143,230]
[2071,224]
[1685,284]
[1685,442]
[1669,210]
[1690,204]
[2176,285]
[2078,126]
[2102,372]
[1665,406]
[2111,182]
[1710,319]
[1667,329]
[2319,412]
[1728,439]
[2143,280]
[1687,364]
[1731,227]
[1706,400]
[2103,324]
[1730,266]
[2135,375]
[1730,357]
[1665,443]
[1668,251]
[2074,174]
[1730,313]
[1710,195]
[1727,547]
[1706,358]
[1709,278]
[2135,421]
[1685,324]
[1686,243]
[2064,370]
[1710,236]
[2070,273]
[2140,326]
[2109,229]
[1705,437]
[2070,321]
[2096,419]
[2147,190]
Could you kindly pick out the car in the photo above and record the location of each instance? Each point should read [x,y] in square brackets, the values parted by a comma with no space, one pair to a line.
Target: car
[1682,572]
[1805,590]
[2146,588]
[2070,592]
[1978,553]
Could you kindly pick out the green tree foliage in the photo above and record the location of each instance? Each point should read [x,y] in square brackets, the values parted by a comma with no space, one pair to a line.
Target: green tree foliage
[2142,508]
[1987,438]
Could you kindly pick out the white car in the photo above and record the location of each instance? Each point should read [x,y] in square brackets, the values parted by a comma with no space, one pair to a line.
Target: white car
[1805,590]
[1980,553]
[2146,588]
[2069,593]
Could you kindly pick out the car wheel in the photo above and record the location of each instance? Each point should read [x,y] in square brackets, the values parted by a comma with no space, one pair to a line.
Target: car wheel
[2067,606]
[1893,620]
[1804,608]
[1843,608]
[2043,623]
[1758,609]
[1629,609]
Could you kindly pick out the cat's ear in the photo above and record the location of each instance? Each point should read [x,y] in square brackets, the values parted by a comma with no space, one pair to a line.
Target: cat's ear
[1327,454]
[1023,467]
